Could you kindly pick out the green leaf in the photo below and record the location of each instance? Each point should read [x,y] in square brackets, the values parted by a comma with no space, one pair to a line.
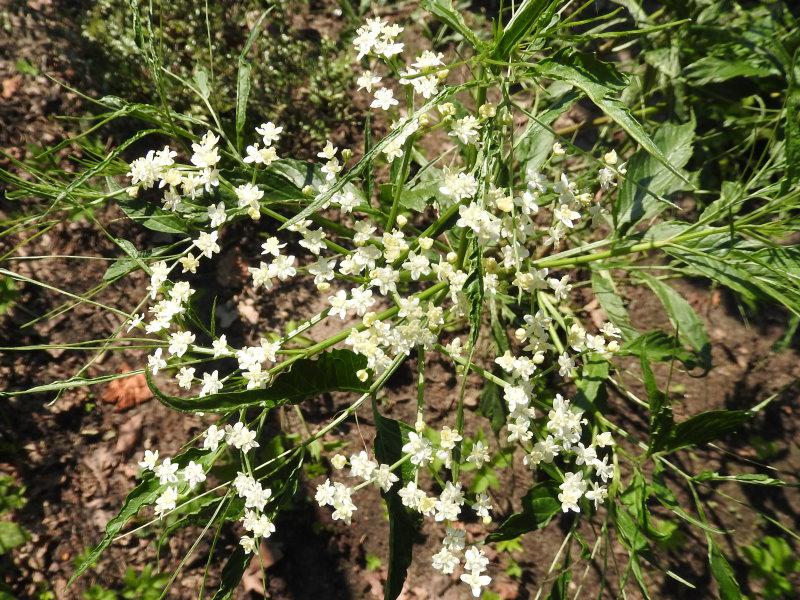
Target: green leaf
[143,494]
[416,198]
[560,589]
[746,478]
[528,17]
[648,179]
[201,80]
[590,384]
[706,427]
[536,142]
[473,289]
[601,82]
[657,346]
[11,536]
[661,421]
[606,293]
[306,378]
[792,134]
[491,404]
[539,506]
[723,573]
[243,79]
[232,574]
[391,436]
[691,330]
[153,217]
[446,12]
[242,93]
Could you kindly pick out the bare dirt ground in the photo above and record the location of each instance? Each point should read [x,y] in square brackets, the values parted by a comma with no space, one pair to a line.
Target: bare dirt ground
[76,456]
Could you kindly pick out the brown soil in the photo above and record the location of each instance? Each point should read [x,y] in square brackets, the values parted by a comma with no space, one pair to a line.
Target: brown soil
[76,456]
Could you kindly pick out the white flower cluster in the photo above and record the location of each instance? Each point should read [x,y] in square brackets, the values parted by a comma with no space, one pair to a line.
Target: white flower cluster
[171,475]
[368,263]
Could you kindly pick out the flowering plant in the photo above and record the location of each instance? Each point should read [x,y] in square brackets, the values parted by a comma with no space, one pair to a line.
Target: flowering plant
[473,251]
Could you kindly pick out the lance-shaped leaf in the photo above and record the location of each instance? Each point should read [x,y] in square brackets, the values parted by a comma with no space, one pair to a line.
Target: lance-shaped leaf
[691,330]
[602,83]
[661,422]
[391,436]
[539,506]
[333,371]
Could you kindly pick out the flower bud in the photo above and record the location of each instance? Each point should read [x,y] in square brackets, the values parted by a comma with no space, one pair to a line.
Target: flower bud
[133,191]
[452,257]
[489,264]
[402,221]
[338,461]
[424,120]
[425,243]
[369,319]
[347,154]
[447,109]
[323,286]
[362,374]
[487,111]
[308,190]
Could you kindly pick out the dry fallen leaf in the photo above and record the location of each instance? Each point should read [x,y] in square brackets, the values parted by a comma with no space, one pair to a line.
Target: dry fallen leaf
[127,391]
[11,85]
[129,433]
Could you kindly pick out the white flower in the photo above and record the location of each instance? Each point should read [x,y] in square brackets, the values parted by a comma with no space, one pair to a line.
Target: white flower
[248,544]
[206,154]
[458,186]
[185,377]
[597,494]
[561,287]
[211,384]
[411,496]
[193,474]
[476,582]
[189,263]
[339,304]
[166,471]
[260,156]
[261,276]
[362,466]
[220,346]
[419,448]
[479,455]
[366,80]
[313,240]
[466,129]
[217,214]
[272,246]
[213,436]
[604,470]
[179,342]
[240,437]
[572,489]
[149,461]
[155,362]
[166,501]
[325,493]
[445,561]
[482,506]
[248,196]
[566,215]
[418,265]
[269,132]
[207,243]
[338,461]
[384,478]
[604,439]
[384,99]
[428,60]
[475,560]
